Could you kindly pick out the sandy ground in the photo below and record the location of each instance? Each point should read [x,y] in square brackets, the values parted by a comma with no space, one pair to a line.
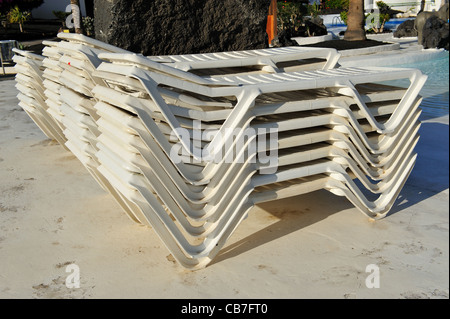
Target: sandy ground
[53,214]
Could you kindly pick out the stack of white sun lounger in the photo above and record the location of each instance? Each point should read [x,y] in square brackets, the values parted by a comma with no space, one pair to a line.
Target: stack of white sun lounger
[77,58]
[175,144]
[51,83]
[189,144]
[69,83]
[30,83]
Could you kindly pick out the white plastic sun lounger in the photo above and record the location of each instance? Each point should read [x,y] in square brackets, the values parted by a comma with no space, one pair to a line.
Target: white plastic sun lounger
[118,120]
[80,146]
[342,80]
[214,209]
[328,151]
[53,75]
[51,83]
[279,106]
[269,60]
[83,58]
[33,113]
[81,133]
[122,118]
[139,182]
[112,130]
[57,75]
[112,122]
[82,39]
[29,81]
[73,107]
[238,115]
[193,255]
[81,52]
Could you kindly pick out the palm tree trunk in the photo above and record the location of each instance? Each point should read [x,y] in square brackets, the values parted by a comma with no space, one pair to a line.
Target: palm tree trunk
[422,6]
[76,14]
[355,21]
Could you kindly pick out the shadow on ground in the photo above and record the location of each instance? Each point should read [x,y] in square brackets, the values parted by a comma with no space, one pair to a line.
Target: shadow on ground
[292,214]
[431,173]
[429,177]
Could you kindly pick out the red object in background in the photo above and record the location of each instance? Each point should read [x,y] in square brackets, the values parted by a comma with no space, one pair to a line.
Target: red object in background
[271,28]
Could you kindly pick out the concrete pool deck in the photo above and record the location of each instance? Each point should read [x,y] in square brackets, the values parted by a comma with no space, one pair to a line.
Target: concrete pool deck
[53,214]
[400,51]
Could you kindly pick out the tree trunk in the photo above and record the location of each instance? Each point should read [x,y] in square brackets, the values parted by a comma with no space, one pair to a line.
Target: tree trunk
[76,14]
[355,21]
[422,6]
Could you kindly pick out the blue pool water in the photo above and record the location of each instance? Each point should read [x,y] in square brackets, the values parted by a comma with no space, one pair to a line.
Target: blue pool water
[391,24]
[436,89]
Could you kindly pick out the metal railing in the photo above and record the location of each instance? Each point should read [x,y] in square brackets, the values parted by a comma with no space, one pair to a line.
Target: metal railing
[336,21]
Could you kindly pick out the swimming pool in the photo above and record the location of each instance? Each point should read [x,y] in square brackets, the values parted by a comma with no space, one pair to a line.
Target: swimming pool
[436,89]
[392,24]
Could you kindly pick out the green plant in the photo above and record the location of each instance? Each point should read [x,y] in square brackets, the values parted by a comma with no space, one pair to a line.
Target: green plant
[411,9]
[344,15]
[378,20]
[15,15]
[290,15]
[61,16]
[344,4]
[88,25]
[336,4]
[383,7]
[314,10]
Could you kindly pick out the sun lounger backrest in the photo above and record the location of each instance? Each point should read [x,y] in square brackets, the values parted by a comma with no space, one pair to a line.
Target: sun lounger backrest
[155,67]
[82,39]
[28,54]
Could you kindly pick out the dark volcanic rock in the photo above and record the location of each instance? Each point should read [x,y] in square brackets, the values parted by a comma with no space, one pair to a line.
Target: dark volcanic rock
[406,29]
[285,38]
[312,27]
[435,33]
[316,27]
[182,26]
